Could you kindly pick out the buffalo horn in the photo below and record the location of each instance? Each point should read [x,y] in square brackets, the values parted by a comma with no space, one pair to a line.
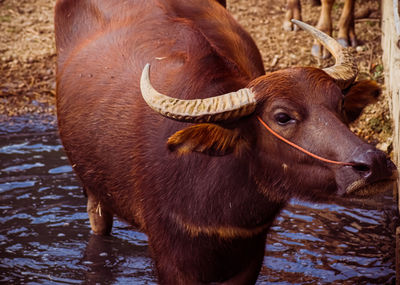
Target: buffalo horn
[345,69]
[219,108]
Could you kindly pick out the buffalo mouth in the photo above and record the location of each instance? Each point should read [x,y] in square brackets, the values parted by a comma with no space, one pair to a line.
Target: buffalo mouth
[361,188]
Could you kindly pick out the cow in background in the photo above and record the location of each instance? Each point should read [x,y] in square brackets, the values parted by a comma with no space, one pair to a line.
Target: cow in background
[346,34]
[170,122]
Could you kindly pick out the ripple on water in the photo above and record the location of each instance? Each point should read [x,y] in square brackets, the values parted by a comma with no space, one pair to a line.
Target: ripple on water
[45,234]
[61,169]
[27,148]
[7,186]
[351,249]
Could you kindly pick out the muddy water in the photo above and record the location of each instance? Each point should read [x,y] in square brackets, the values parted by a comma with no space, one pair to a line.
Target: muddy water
[45,236]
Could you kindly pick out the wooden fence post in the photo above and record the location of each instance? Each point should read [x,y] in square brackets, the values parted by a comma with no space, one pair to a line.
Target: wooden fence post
[391,62]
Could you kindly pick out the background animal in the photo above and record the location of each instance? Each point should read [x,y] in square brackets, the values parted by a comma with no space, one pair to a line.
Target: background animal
[205,180]
[346,34]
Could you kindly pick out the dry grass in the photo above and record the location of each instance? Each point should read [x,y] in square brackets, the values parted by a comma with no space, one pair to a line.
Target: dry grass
[27,55]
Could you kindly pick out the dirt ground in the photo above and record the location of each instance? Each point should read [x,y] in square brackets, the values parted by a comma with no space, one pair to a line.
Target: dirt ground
[27,54]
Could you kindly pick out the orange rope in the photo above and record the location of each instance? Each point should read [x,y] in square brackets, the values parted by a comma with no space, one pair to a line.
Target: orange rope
[302,149]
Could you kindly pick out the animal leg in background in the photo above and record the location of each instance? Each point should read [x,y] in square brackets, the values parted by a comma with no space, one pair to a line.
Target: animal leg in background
[346,35]
[293,11]
[325,25]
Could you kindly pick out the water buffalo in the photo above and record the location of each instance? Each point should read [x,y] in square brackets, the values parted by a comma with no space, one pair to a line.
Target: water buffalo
[201,175]
[346,35]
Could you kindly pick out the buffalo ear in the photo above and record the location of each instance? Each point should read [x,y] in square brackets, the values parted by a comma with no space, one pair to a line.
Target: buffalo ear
[206,138]
[359,95]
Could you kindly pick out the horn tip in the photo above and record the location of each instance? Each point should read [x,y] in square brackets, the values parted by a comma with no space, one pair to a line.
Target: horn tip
[146,67]
[145,73]
[301,24]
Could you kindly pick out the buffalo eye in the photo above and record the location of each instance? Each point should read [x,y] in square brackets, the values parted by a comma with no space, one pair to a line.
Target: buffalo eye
[283,119]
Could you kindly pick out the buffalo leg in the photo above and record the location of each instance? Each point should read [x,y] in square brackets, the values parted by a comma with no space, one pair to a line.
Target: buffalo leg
[324,25]
[293,11]
[347,35]
[315,2]
[100,220]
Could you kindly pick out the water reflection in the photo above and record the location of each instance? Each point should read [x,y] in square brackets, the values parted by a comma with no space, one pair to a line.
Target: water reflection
[340,244]
[45,236]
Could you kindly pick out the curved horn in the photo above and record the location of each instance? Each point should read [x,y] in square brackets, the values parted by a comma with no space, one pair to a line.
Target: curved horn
[228,106]
[345,69]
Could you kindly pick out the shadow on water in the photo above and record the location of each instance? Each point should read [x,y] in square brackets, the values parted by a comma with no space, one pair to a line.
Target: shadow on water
[45,234]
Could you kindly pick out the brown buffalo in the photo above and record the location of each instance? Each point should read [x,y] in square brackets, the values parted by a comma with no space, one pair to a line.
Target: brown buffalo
[205,179]
[346,35]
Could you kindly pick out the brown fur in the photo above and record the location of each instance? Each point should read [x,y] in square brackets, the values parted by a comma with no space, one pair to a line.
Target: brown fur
[207,138]
[361,94]
[207,210]
[223,232]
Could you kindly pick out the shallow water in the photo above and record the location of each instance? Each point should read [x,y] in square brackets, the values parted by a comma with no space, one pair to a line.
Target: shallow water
[45,234]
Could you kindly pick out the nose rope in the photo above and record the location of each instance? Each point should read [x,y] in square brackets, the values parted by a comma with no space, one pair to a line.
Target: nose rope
[302,149]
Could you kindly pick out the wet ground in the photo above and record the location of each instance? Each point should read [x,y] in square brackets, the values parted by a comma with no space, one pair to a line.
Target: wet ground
[45,234]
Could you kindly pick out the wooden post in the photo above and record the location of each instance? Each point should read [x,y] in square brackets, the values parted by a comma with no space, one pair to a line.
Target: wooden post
[397,256]
[391,62]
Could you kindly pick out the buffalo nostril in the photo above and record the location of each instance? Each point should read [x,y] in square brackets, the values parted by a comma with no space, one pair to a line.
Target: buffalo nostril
[373,165]
[360,167]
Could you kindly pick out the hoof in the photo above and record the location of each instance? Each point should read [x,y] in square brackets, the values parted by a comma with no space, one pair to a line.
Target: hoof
[354,42]
[320,52]
[345,42]
[287,26]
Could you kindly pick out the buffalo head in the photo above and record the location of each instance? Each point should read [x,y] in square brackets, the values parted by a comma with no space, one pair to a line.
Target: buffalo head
[310,108]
